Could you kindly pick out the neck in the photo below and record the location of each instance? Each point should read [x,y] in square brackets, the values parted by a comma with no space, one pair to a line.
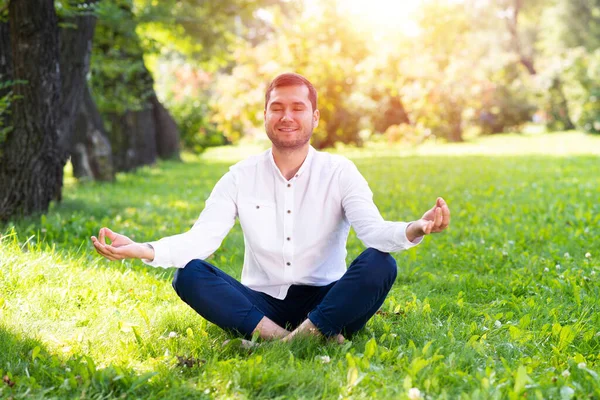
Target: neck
[289,161]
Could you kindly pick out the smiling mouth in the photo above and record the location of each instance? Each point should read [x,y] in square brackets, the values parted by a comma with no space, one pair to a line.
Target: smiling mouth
[287,129]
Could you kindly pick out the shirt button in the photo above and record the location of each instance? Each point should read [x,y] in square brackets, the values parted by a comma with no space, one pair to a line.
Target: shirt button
[288,264]
[289,185]
[257,207]
[296,176]
[289,238]
[289,211]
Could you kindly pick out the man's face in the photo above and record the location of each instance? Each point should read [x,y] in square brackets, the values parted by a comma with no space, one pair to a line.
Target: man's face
[289,118]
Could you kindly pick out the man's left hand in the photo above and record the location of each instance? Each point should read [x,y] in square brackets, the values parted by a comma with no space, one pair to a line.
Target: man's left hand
[433,221]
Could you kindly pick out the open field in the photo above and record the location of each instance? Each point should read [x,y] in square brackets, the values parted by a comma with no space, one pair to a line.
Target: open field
[505,304]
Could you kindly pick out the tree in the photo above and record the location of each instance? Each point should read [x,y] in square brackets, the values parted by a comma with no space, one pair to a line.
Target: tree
[49,66]
[30,163]
[75,38]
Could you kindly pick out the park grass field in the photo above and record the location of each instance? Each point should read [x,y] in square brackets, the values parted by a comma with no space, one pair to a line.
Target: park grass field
[503,305]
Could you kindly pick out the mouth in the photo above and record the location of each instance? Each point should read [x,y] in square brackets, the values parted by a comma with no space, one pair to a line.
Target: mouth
[287,129]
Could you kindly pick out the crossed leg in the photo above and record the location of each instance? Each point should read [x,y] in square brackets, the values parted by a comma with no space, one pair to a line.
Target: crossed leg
[343,306]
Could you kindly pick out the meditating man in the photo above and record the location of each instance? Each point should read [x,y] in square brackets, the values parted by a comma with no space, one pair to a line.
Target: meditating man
[295,206]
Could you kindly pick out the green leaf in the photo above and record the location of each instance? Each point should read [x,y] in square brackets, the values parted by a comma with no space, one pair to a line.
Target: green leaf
[370,348]
[35,352]
[521,379]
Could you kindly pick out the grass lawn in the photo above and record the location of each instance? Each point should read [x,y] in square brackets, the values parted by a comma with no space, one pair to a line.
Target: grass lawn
[505,304]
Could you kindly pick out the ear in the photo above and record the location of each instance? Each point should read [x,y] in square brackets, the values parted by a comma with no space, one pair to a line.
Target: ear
[316,116]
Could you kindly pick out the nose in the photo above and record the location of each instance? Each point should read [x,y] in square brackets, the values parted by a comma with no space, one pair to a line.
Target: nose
[286,116]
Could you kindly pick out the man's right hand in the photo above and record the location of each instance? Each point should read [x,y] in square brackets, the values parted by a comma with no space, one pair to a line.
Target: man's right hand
[121,247]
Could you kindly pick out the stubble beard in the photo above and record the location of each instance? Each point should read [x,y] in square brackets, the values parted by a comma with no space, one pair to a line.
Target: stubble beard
[290,145]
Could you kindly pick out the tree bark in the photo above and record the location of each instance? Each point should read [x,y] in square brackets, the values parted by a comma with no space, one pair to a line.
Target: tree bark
[5,73]
[91,153]
[133,138]
[167,134]
[30,166]
[5,55]
[75,52]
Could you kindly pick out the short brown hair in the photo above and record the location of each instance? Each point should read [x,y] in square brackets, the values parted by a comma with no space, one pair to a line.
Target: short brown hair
[291,79]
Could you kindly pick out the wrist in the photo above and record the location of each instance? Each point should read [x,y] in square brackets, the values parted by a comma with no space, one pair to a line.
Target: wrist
[411,233]
[148,252]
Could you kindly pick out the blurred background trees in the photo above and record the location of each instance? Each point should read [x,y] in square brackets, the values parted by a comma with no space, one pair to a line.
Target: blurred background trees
[140,80]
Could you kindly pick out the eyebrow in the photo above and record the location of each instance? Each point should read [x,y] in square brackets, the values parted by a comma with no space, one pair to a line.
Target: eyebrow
[278,103]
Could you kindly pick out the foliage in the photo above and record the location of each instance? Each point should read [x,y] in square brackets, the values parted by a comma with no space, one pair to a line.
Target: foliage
[195,129]
[119,78]
[8,97]
[324,49]
[582,89]
[578,23]
[507,101]
[499,306]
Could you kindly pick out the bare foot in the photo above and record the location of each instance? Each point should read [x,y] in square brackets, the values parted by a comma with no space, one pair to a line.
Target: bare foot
[339,339]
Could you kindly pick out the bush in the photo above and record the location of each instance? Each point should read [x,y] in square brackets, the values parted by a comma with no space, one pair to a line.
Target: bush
[196,130]
[582,89]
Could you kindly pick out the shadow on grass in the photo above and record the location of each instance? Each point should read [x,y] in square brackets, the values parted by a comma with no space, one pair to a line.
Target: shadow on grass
[30,370]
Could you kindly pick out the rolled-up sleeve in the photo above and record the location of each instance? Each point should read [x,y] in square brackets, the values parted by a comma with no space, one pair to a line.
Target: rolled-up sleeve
[365,218]
[208,232]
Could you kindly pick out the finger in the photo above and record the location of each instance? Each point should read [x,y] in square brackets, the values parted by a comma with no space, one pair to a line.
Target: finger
[430,227]
[110,234]
[438,218]
[101,236]
[446,216]
[440,202]
[100,249]
[116,252]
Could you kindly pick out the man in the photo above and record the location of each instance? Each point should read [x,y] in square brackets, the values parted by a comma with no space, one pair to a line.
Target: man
[295,206]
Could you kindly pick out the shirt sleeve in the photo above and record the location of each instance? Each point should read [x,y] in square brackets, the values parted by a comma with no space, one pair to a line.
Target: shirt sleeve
[208,232]
[365,218]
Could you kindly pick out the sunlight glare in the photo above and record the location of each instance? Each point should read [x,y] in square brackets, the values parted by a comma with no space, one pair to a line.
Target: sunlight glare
[383,16]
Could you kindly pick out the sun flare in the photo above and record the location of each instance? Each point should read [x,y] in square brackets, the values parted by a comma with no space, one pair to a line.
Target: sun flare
[383,16]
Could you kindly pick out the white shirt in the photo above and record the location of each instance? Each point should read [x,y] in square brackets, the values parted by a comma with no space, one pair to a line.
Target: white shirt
[295,231]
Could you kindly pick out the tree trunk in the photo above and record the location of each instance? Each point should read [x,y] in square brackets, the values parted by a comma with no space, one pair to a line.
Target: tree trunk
[133,138]
[30,166]
[5,55]
[167,135]
[5,75]
[75,51]
[91,154]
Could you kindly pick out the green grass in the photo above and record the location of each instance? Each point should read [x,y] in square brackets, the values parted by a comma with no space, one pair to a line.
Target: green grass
[505,304]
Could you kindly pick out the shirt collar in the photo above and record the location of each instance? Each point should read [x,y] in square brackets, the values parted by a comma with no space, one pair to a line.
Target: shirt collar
[305,164]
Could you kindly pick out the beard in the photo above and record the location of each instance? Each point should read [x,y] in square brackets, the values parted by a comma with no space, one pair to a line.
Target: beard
[290,143]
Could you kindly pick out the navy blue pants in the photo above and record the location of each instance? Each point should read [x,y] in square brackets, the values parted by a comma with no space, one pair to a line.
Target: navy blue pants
[343,306]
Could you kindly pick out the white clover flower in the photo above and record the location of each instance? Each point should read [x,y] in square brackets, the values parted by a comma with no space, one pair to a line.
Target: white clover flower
[172,334]
[546,269]
[562,277]
[581,365]
[566,373]
[588,254]
[593,273]
[557,266]
[414,394]
[567,255]
[325,359]
[68,369]
[497,324]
